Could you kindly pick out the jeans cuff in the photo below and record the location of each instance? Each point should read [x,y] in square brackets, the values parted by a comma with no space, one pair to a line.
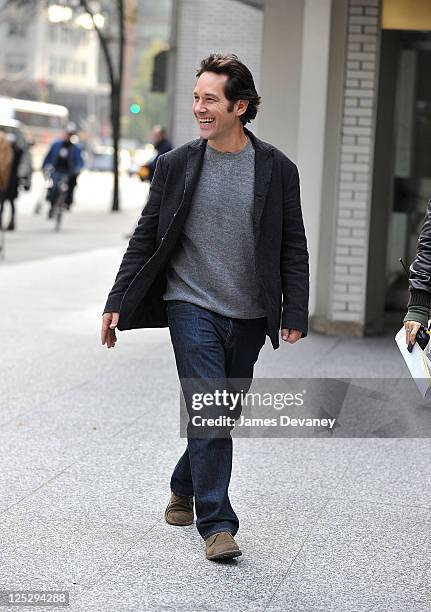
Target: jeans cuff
[205,537]
[181,494]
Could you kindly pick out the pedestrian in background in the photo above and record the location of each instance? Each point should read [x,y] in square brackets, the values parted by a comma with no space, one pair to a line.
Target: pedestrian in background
[161,144]
[11,192]
[220,256]
[6,158]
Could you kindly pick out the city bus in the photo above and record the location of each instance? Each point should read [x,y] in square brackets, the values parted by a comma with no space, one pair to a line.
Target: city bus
[41,122]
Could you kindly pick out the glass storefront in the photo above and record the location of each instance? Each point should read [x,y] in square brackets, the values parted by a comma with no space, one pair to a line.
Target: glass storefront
[411,139]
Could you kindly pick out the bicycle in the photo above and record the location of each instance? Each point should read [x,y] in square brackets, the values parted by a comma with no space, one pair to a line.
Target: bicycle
[59,202]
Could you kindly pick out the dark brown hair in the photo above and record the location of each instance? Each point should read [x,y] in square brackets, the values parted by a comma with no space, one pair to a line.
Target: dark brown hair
[239,85]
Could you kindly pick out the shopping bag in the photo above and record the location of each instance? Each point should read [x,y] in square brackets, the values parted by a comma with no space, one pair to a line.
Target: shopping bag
[418,363]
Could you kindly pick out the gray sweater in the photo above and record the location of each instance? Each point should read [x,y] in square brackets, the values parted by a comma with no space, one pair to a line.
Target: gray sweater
[213,265]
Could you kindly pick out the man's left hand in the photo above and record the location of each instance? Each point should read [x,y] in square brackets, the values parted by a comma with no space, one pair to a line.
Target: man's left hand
[290,335]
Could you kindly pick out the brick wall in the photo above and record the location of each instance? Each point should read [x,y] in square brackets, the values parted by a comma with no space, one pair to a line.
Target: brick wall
[205,27]
[356,162]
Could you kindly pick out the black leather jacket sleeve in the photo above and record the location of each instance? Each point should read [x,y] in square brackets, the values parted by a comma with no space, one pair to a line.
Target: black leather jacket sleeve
[420,269]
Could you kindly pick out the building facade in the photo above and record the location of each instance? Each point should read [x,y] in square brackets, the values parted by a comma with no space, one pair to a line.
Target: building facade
[346,93]
[201,27]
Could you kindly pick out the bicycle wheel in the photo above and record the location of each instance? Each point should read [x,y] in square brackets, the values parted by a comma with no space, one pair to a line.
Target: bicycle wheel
[58,211]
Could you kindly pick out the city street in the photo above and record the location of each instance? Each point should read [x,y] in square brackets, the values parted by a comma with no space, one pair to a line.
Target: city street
[81,229]
[89,438]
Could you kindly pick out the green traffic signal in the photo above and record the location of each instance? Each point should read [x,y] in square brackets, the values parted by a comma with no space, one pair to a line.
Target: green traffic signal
[135,109]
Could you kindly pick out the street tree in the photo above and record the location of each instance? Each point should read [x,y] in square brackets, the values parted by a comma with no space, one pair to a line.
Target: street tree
[114,13]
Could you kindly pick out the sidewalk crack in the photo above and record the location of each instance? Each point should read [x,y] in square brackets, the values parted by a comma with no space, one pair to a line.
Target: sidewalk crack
[315,523]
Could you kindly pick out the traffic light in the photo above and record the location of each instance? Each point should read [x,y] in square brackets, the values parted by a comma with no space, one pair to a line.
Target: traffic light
[135,108]
[160,70]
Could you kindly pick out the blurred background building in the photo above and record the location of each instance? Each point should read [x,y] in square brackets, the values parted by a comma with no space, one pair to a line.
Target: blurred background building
[42,59]
[200,27]
[50,56]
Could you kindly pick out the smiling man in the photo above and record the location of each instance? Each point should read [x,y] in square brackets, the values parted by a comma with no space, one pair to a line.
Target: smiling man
[220,256]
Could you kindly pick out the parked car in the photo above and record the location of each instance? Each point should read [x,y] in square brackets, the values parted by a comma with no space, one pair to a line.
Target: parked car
[100,158]
[141,158]
[25,169]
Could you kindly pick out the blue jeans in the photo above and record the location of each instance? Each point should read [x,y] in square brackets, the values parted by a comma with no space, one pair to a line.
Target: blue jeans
[211,346]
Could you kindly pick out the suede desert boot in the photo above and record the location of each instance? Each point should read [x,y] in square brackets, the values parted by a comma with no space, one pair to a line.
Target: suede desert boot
[179,510]
[221,546]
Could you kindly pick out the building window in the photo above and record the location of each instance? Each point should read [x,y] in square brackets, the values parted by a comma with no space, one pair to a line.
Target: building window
[52,65]
[14,63]
[68,35]
[16,29]
[53,31]
[63,65]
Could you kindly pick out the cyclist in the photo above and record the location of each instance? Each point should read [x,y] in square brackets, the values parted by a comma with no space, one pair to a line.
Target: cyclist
[63,158]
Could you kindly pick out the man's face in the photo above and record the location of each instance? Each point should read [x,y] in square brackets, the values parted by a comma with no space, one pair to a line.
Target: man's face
[211,107]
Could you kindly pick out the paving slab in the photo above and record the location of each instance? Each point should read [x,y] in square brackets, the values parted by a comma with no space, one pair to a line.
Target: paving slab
[360,556]
[56,554]
[394,471]
[140,578]
[18,482]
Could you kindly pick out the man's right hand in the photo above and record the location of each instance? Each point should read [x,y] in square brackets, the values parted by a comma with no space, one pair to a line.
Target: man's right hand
[109,323]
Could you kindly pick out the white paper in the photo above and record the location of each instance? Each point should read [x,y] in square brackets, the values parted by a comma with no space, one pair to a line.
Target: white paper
[417,362]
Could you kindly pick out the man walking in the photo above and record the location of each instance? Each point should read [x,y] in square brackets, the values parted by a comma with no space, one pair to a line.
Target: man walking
[220,256]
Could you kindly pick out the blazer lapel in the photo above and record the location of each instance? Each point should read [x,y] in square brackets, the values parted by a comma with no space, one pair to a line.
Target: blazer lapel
[195,156]
[181,205]
[262,179]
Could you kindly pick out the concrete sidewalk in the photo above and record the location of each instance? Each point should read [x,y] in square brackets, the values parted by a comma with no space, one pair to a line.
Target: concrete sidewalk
[89,438]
